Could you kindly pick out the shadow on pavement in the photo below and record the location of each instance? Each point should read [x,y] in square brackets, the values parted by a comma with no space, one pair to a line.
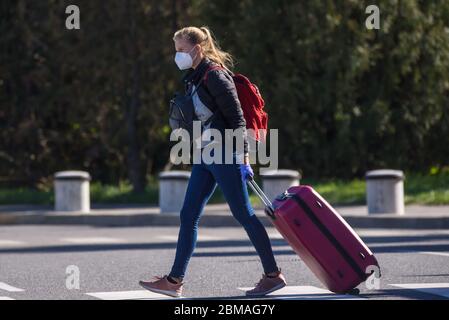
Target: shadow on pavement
[390,294]
[390,239]
[424,275]
[391,246]
[403,293]
[130,246]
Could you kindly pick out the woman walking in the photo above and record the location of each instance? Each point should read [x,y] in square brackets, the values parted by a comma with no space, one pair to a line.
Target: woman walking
[197,51]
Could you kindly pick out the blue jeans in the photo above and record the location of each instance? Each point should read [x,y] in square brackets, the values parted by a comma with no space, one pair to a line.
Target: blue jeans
[203,181]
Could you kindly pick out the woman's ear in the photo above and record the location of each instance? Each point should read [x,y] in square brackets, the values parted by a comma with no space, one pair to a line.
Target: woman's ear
[199,49]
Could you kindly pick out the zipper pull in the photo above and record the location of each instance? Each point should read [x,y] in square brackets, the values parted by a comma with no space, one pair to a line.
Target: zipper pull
[282,196]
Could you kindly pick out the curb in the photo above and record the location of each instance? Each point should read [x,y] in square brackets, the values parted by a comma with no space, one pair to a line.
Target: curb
[207,220]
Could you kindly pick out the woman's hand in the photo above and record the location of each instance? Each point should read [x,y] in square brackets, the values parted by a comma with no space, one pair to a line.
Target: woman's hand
[246,172]
[246,158]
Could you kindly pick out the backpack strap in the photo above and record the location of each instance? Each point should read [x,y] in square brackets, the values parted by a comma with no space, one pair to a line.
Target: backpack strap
[216,67]
[211,69]
[204,79]
[206,73]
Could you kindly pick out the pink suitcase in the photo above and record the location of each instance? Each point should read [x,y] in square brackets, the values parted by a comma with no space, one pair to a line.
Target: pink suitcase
[321,237]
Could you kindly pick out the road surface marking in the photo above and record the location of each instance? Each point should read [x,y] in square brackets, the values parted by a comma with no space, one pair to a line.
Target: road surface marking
[7,287]
[128,295]
[92,240]
[167,238]
[275,235]
[398,232]
[440,289]
[307,293]
[209,238]
[6,298]
[444,254]
[286,293]
[7,243]
[200,238]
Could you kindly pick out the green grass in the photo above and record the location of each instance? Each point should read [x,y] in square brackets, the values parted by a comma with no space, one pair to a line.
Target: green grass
[123,194]
[431,189]
[419,189]
[335,192]
[340,192]
[25,196]
[99,193]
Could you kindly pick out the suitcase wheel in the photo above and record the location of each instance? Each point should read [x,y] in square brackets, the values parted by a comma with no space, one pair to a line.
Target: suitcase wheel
[354,292]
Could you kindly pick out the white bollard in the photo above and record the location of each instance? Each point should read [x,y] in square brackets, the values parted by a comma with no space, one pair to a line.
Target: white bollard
[385,191]
[72,191]
[275,182]
[172,190]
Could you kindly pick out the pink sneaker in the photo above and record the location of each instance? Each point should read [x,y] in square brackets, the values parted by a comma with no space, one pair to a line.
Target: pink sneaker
[267,285]
[163,286]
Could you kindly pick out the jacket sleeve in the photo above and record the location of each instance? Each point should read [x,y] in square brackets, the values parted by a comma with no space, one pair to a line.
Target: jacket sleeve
[222,88]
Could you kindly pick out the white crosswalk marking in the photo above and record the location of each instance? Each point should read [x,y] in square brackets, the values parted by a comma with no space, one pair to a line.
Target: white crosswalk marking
[200,238]
[168,238]
[209,238]
[6,298]
[440,289]
[7,287]
[92,240]
[129,295]
[274,235]
[307,293]
[444,254]
[10,243]
[286,293]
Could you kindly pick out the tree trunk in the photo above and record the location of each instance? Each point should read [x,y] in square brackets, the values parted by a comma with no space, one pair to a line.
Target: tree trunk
[135,172]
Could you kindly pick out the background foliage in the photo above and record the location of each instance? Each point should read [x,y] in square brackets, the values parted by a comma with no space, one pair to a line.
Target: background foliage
[345,99]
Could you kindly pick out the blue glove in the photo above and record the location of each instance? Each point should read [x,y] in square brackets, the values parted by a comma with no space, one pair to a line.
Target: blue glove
[246,172]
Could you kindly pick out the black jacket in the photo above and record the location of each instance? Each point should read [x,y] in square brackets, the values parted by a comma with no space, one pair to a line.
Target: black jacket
[218,93]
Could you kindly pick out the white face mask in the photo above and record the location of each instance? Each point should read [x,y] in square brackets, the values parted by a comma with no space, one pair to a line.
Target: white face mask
[184,60]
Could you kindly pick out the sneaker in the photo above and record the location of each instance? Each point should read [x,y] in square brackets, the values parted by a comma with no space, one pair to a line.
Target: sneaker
[267,285]
[163,286]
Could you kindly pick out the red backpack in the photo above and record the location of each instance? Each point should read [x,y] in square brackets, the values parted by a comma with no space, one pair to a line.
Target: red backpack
[252,104]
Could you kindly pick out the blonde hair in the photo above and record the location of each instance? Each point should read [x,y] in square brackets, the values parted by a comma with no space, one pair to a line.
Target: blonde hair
[203,36]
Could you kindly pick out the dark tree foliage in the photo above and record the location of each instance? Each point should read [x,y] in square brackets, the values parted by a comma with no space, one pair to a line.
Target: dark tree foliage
[344,98]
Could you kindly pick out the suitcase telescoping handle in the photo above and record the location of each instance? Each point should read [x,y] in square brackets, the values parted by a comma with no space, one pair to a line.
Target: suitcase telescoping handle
[269,210]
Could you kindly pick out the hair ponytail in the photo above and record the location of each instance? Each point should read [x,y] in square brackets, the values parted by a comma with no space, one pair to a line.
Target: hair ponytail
[203,36]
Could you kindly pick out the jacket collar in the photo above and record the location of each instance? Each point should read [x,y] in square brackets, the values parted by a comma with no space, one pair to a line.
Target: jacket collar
[195,75]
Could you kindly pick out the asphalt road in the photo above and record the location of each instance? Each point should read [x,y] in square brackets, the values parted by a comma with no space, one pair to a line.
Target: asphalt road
[42,262]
